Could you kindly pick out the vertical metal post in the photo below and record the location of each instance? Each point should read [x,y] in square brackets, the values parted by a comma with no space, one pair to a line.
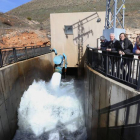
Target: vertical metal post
[33,51]
[107,64]
[26,53]
[15,55]
[112,10]
[92,58]
[115,13]
[40,50]
[106,16]
[1,62]
[107,19]
[123,15]
[108,10]
[138,113]
[88,56]
[127,115]
[138,84]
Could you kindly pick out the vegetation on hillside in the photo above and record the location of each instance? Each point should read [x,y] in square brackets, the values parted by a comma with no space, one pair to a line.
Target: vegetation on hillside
[40,10]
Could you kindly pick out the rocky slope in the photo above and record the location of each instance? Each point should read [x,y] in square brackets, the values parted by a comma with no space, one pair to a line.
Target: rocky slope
[22,38]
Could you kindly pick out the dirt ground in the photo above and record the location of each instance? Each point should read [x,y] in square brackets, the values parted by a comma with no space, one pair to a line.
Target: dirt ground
[24,38]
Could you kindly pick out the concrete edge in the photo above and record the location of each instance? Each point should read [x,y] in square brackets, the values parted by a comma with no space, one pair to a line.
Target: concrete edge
[22,61]
[113,81]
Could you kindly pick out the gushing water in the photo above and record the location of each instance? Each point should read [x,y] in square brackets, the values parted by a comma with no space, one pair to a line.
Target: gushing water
[55,81]
[51,112]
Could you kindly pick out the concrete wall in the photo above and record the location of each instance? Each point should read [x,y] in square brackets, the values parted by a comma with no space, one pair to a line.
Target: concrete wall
[112,109]
[14,80]
[91,30]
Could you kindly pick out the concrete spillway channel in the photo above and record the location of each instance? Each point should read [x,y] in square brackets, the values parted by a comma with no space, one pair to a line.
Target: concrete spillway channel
[48,114]
[110,109]
[14,80]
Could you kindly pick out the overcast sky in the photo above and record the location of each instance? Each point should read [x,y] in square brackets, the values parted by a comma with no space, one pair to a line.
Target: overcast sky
[7,5]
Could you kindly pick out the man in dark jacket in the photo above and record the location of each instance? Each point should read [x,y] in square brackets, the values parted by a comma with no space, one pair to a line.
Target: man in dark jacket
[114,46]
[126,51]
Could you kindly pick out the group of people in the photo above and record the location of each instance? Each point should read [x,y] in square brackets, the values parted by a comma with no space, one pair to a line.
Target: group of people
[122,47]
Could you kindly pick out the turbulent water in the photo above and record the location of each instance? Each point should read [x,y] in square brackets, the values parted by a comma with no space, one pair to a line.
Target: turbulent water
[48,112]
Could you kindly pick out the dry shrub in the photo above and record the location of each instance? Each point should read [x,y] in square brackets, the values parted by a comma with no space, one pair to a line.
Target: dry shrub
[7,22]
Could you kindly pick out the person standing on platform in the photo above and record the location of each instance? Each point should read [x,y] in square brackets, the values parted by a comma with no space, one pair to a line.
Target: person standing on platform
[126,51]
[113,48]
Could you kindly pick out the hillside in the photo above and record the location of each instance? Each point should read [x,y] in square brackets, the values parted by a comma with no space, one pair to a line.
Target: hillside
[28,24]
[24,38]
[40,10]
[18,31]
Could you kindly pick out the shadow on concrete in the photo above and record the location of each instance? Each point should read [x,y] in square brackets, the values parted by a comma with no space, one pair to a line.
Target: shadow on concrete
[125,124]
[86,19]
[80,38]
[14,80]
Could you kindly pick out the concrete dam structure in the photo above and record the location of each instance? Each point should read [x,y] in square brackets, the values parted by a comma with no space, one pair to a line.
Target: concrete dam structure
[99,98]
[14,80]
[111,109]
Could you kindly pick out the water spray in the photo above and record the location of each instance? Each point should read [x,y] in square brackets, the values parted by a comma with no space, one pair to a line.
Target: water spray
[58,60]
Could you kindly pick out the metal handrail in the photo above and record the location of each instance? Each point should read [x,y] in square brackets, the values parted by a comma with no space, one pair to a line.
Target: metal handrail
[14,54]
[120,68]
[111,51]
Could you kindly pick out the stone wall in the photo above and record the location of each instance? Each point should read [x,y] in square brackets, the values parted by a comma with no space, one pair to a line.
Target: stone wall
[14,80]
[132,34]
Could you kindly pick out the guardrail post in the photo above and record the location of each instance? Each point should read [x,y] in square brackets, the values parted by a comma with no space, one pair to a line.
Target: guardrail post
[15,55]
[107,64]
[26,53]
[92,59]
[33,51]
[138,84]
[1,62]
[40,50]
[88,56]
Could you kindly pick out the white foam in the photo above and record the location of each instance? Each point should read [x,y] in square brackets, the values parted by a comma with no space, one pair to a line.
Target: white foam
[55,81]
[48,113]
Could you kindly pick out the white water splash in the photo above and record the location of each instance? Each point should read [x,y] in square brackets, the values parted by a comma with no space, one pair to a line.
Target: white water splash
[49,114]
[55,81]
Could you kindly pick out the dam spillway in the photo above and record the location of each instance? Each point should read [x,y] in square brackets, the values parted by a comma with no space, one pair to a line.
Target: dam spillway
[51,113]
[102,96]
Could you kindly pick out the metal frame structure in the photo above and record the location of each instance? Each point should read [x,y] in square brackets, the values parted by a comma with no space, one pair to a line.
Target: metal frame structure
[115,18]
[112,13]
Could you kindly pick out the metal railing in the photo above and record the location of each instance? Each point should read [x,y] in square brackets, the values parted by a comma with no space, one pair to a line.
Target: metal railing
[12,55]
[123,69]
[119,118]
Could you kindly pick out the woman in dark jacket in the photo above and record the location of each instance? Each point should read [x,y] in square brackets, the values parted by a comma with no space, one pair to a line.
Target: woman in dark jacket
[126,51]
[126,46]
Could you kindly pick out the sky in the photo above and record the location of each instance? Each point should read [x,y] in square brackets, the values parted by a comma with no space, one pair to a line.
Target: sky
[7,5]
